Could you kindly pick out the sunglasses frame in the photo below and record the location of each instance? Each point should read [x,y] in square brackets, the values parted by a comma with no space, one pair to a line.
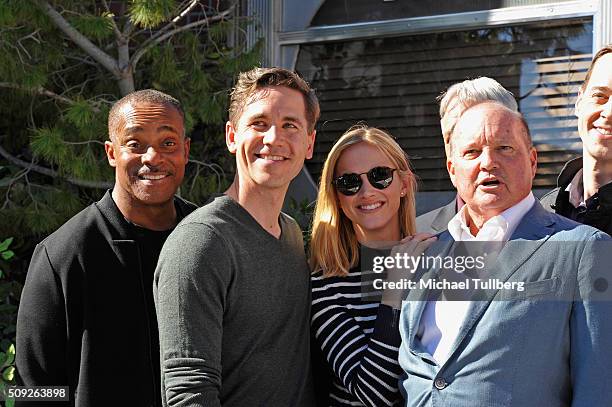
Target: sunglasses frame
[369,175]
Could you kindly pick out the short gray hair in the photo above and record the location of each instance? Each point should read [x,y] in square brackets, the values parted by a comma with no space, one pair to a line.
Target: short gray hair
[467,94]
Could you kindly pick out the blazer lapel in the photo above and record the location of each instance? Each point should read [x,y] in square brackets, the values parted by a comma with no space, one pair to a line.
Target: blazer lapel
[116,229]
[440,223]
[533,230]
[418,298]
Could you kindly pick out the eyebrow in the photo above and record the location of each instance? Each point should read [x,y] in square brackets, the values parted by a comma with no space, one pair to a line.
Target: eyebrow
[139,129]
[601,89]
[292,119]
[286,118]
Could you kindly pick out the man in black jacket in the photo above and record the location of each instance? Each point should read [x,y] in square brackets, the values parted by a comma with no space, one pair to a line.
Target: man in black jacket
[584,187]
[87,318]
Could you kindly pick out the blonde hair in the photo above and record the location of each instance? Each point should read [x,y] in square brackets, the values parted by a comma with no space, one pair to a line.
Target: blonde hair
[334,247]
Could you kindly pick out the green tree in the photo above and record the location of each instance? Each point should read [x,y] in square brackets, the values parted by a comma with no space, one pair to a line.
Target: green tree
[63,63]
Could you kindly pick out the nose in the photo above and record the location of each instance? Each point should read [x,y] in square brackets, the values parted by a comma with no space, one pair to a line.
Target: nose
[488,159]
[366,188]
[272,136]
[151,157]
[606,110]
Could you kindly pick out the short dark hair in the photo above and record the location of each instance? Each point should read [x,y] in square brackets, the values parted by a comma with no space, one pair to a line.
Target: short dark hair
[150,96]
[251,81]
[605,50]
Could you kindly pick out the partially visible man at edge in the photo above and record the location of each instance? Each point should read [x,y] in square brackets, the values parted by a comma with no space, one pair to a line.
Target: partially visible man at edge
[87,317]
[232,284]
[457,99]
[584,187]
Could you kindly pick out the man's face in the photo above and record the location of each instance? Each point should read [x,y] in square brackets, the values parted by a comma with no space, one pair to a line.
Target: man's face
[271,139]
[491,163]
[594,111]
[149,152]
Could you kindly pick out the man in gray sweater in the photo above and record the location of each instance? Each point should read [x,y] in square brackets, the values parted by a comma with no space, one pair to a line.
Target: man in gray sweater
[232,283]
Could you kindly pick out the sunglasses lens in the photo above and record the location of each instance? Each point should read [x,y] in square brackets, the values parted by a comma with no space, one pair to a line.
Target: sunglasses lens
[348,184]
[380,177]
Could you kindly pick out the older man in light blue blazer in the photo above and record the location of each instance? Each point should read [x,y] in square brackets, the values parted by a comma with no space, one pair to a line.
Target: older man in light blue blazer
[549,344]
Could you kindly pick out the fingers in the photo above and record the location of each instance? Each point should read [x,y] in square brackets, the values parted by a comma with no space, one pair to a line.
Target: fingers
[422,236]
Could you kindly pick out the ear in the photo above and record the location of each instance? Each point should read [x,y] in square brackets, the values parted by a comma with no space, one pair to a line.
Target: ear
[578,102]
[406,184]
[109,148]
[310,140]
[451,170]
[533,159]
[187,146]
[230,137]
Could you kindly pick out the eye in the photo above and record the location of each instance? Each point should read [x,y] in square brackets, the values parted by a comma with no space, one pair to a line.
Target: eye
[470,153]
[600,97]
[506,148]
[169,143]
[133,144]
[289,126]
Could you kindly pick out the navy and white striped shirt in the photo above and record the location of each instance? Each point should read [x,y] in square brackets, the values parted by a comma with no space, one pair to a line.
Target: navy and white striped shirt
[359,338]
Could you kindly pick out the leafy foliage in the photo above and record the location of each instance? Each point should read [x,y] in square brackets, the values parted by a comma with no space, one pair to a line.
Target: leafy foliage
[56,95]
[150,13]
[9,293]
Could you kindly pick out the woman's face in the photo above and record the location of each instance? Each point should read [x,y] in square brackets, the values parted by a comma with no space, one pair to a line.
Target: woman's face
[374,212]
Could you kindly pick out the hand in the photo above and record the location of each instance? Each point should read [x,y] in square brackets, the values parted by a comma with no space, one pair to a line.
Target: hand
[409,247]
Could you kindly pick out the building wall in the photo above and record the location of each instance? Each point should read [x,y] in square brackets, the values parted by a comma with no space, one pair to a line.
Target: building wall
[384,62]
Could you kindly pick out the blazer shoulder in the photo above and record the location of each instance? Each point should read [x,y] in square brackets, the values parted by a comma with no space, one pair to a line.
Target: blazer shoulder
[568,229]
[549,199]
[436,221]
[86,229]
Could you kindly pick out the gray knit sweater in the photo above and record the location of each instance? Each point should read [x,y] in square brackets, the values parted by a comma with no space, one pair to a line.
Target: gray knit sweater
[233,311]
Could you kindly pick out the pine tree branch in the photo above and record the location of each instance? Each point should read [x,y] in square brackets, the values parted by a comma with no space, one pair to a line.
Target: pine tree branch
[150,44]
[39,90]
[118,33]
[172,23]
[83,42]
[44,92]
[51,173]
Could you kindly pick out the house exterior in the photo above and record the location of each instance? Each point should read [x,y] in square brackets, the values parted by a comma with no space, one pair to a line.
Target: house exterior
[384,62]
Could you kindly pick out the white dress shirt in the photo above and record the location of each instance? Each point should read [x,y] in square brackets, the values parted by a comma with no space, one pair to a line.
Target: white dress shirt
[576,190]
[442,320]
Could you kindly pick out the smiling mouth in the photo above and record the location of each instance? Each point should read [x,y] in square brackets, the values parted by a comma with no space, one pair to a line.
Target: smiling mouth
[370,207]
[270,157]
[604,132]
[152,177]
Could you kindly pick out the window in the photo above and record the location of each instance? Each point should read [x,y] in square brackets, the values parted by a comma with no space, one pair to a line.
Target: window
[393,82]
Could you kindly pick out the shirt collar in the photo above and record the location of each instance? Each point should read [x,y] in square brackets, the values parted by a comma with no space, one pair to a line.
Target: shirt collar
[576,190]
[498,228]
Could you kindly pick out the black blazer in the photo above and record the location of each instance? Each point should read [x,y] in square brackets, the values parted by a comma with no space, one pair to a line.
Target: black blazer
[84,320]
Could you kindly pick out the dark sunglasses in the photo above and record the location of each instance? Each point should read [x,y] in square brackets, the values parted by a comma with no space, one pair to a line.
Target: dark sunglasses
[350,184]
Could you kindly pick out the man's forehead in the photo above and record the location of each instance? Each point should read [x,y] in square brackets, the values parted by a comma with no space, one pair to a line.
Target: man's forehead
[132,108]
[601,75]
[486,114]
[269,96]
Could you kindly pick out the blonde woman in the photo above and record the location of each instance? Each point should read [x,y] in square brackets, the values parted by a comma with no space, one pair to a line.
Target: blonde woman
[366,197]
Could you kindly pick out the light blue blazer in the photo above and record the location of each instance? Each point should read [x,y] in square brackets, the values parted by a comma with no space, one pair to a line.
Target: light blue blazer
[548,346]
